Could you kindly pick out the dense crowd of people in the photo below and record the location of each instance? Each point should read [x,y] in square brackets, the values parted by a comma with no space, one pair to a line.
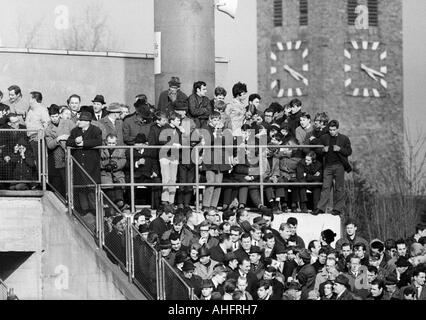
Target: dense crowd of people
[226,256]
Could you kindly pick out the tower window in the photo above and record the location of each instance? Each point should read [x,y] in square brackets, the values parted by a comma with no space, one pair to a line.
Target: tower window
[352,4]
[373,13]
[278,13]
[303,7]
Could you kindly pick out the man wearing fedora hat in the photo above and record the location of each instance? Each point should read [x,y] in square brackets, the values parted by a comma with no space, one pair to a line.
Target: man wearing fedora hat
[168,97]
[204,267]
[190,278]
[138,122]
[84,138]
[98,107]
[112,124]
[206,289]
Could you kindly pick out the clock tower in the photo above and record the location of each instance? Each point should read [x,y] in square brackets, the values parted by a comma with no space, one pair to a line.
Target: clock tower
[343,57]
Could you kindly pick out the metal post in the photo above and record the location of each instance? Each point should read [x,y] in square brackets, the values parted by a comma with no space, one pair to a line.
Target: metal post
[160,278]
[129,247]
[44,167]
[98,213]
[132,181]
[261,174]
[39,164]
[191,294]
[69,174]
[197,181]
[101,226]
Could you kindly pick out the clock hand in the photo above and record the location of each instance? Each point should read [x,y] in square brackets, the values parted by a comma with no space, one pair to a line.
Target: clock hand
[295,74]
[371,72]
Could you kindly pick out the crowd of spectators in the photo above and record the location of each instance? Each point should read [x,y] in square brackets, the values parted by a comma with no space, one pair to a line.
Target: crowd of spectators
[226,256]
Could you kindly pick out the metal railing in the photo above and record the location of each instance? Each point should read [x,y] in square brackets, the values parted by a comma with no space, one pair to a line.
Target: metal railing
[197,184]
[22,158]
[123,244]
[3,291]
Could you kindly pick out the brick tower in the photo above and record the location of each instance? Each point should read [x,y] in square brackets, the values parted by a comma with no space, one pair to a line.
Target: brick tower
[339,56]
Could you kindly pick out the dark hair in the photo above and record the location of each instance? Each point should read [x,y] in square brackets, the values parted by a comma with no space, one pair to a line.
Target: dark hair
[227,214]
[390,243]
[323,250]
[174,236]
[16,89]
[275,107]
[37,96]
[238,89]
[305,115]
[333,123]
[312,244]
[268,110]
[174,115]
[292,221]
[372,269]
[312,155]
[54,109]
[159,115]
[197,85]
[322,117]
[178,218]
[295,103]
[409,291]
[418,269]
[360,245]
[230,285]
[239,213]
[73,96]
[420,227]
[220,91]
[400,241]
[380,283]
[215,114]
[350,221]
[254,96]
[152,237]
[223,237]
[245,236]
[236,228]
[378,245]
[345,244]
[422,240]
[264,283]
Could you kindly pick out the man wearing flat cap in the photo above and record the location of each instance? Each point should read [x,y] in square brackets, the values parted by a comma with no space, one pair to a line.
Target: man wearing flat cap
[306,272]
[139,122]
[112,124]
[168,97]
[391,282]
[190,278]
[83,138]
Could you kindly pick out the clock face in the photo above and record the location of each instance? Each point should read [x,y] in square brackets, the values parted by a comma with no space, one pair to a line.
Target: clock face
[289,69]
[365,69]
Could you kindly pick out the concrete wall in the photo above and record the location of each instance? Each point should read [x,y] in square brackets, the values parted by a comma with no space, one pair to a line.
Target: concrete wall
[66,263]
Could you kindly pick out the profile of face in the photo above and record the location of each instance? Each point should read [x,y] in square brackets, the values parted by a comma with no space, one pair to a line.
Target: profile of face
[333,131]
[254,258]
[66,114]
[287,110]
[295,109]
[242,97]
[262,293]
[375,290]
[175,122]
[124,112]
[350,229]
[286,233]
[74,104]
[233,263]
[308,160]
[162,122]
[420,278]
[338,288]
[256,102]
[304,122]
[371,276]
[202,91]
[13,96]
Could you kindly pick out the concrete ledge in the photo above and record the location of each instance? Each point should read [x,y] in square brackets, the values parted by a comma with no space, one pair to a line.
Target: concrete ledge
[24,193]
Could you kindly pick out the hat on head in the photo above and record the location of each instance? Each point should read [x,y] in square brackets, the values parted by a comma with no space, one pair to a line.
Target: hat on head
[230,256]
[402,262]
[113,108]
[255,249]
[246,226]
[206,283]
[280,249]
[203,252]
[85,116]
[391,279]
[342,280]
[188,266]
[140,138]
[328,235]
[259,221]
[174,82]
[99,98]
[53,109]
[165,244]
[117,219]
[305,255]
[146,212]
[181,256]
[143,228]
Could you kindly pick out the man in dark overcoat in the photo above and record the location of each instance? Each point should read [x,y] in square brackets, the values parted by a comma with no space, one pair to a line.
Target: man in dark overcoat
[84,137]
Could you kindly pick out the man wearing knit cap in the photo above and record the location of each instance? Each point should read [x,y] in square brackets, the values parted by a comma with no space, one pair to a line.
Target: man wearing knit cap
[306,272]
[168,97]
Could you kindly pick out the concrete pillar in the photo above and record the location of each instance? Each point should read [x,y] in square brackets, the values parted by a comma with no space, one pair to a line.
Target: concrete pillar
[187,43]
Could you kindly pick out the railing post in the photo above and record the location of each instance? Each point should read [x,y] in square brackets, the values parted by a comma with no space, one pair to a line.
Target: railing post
[160,278]
[197,181]
[44,160]
[98,212]
[69,174]
[132,181]
[261,174]
[191,294]
[129,247]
